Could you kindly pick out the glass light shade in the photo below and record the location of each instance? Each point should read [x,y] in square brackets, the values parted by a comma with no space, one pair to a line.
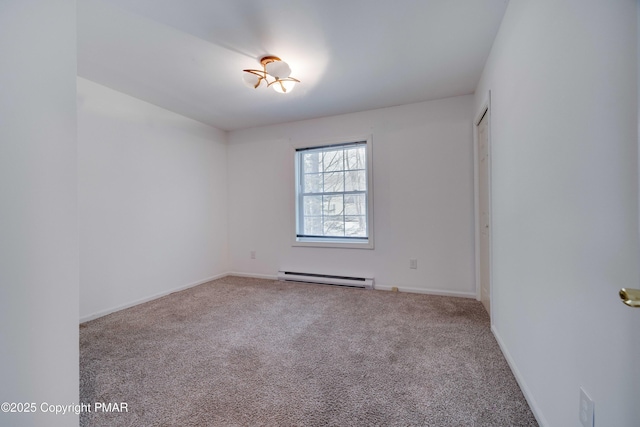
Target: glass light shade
[288,85]
[279,69]
[250,79]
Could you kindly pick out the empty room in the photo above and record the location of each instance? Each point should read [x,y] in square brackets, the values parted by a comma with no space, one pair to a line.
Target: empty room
[310,213]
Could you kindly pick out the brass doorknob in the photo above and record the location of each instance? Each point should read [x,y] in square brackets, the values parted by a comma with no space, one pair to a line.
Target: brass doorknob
[631,297]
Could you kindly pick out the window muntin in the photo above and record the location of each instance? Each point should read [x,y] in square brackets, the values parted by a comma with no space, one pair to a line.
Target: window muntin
[332,196]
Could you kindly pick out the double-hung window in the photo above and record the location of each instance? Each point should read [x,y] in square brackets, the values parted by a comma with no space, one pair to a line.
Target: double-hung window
[333,195]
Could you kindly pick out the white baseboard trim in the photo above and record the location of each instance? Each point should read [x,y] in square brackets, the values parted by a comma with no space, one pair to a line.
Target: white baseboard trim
[252,275]
[377,287]
[426,291]
[542,422]
[149,298]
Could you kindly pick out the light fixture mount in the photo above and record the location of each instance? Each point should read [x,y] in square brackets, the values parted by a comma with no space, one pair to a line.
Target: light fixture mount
[274,68]
[269,59]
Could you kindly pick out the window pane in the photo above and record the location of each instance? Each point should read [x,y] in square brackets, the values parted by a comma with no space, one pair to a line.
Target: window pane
[332,193]
[333,182]
[313,226]
[355,204]
[333,205]
[312,183]
[333,160]
[334,225]
[354,158]
[355,226]
[355,181]
[312,205]
[312,162]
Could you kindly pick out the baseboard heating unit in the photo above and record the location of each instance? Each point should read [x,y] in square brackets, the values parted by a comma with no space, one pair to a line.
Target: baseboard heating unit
[354,282]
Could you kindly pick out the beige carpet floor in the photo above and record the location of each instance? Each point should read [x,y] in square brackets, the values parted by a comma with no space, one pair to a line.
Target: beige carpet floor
[251,352]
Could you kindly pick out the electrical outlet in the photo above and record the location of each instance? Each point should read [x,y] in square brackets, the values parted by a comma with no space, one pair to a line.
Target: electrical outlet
[413,263]
[253,254]
[586,409]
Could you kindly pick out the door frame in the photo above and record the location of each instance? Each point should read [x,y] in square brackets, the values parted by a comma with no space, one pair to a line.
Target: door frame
[485,110]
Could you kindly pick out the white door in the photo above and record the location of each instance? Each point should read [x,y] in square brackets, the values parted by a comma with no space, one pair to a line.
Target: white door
[485,213]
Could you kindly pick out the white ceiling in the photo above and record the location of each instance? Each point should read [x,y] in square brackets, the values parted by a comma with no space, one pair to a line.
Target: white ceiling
[187,56]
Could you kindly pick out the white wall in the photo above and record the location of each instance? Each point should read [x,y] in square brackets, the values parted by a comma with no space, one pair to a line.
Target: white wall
[423,197]
[152,200]
[38,209]
[563,77]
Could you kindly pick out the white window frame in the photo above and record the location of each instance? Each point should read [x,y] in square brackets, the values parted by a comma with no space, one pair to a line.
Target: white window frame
[335,242]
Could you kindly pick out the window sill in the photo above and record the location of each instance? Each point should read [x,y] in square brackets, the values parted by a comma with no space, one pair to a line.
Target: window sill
[333,243]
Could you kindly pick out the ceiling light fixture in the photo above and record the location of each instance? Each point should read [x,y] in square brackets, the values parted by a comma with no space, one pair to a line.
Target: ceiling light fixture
[273,67]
